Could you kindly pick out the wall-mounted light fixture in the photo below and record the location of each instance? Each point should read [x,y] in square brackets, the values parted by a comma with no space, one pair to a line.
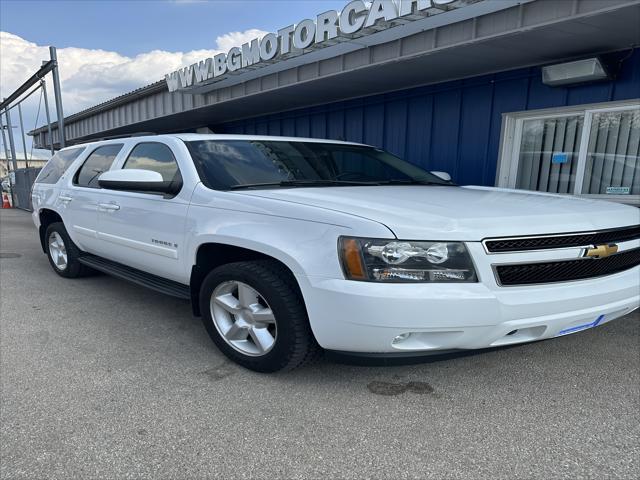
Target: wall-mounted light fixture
[580,71]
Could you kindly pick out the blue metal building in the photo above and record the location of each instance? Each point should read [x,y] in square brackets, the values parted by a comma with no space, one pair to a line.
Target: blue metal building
[452,126]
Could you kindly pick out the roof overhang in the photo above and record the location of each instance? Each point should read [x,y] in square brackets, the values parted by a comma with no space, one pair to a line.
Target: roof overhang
[383,31]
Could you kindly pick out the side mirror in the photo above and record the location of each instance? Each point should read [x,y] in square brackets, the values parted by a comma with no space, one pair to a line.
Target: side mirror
[443,175]
[134,179]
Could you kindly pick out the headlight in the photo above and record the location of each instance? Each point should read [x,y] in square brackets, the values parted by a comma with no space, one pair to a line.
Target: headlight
[373,260]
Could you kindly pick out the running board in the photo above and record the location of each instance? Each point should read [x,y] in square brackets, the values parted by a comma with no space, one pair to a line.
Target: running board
[159,284]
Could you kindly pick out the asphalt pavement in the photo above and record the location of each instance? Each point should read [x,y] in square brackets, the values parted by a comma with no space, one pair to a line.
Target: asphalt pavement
[104,379]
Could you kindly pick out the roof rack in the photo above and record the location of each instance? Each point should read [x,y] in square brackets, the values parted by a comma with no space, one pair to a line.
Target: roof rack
[115,137]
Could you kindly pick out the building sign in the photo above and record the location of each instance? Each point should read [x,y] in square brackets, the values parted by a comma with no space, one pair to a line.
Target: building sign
[356,18]
[618,190]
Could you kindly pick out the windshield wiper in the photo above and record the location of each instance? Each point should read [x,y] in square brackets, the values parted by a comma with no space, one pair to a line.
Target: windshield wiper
[332,183]
[301,183]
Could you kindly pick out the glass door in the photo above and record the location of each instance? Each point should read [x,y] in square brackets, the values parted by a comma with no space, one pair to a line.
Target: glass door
[548,157]
[611,164]
[582,152]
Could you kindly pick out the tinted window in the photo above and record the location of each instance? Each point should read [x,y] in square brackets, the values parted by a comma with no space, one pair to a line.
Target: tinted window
[153,156]
[99,161]
[234,163]
[55,168]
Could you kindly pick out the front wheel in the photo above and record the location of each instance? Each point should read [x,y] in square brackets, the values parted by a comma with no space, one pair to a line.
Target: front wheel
[254,313]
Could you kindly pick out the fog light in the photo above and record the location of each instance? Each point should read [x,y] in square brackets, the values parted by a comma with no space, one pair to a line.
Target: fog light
[400,338]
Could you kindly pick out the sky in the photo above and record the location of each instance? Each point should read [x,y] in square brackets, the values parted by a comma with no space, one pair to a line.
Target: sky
[110,47]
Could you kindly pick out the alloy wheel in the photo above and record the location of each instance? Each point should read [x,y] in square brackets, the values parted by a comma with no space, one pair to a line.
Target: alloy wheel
[243,318]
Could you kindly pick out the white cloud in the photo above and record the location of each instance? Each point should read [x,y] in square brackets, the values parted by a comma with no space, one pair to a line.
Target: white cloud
[235,39]
[90,76]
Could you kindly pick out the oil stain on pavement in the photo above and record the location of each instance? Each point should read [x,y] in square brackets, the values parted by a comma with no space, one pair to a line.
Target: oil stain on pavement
[221,371]
[391,389]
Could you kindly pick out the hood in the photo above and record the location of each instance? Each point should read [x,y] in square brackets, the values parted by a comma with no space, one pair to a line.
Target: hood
[461,213]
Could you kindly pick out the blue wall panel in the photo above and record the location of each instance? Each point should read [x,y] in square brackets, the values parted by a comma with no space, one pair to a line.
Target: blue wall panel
[453,126]
[262,128]
[543,96]
[477,104]
[509,95]
[318,125]
[446,124]
[288,127]
[335,125]
[419,121]
[395,130]
[354,118]
[302,126]
[628,84]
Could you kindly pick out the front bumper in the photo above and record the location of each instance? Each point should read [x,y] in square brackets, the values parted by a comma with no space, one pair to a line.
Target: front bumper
[364,317]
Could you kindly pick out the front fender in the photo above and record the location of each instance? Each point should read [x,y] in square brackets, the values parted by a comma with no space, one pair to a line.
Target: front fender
[306,247]
[303,238]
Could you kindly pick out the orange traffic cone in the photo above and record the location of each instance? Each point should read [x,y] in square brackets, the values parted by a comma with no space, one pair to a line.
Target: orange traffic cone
[5,201]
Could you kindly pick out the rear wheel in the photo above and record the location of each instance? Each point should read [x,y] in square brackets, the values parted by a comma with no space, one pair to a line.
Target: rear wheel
[62,252]
[254,313]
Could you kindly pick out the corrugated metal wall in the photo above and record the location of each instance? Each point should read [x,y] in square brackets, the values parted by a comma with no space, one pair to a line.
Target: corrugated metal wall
[454,126]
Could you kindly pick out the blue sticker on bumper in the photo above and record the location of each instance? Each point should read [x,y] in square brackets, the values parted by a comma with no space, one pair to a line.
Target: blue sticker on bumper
[577,328]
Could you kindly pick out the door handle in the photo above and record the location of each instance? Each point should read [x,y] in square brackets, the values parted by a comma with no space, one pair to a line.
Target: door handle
[65,198]
[108,207]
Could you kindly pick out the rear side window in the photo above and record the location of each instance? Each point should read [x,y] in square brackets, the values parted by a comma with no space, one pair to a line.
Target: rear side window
[57,165]
[98,162]
[156,157]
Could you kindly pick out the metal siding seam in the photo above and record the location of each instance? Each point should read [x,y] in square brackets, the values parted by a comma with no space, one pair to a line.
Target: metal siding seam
[528,95]
[485,163]
[611,87]
[326,125]
[427,113]
[385,111]
[460,106]
[431,142]
[406,129]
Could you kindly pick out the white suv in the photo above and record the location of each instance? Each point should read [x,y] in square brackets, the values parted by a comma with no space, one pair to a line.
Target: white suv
[287,246]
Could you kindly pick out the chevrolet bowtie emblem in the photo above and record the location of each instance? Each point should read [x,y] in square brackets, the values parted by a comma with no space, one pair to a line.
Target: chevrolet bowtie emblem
[601,251]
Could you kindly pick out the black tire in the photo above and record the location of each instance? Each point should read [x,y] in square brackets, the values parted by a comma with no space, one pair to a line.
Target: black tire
[294,343]
[73,267]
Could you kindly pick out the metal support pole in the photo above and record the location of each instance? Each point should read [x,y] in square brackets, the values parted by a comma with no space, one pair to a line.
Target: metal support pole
[4,142]
[12,145]
[46,109]
[58,97]
[24,142]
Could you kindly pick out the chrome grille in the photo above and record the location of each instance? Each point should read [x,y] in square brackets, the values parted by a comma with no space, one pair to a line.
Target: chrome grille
[565,270]
[579,239]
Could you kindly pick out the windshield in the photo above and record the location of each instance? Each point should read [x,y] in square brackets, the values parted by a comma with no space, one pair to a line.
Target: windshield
[236,164]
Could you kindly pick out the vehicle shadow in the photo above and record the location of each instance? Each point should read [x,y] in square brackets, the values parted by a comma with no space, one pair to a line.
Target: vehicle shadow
[399,360]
